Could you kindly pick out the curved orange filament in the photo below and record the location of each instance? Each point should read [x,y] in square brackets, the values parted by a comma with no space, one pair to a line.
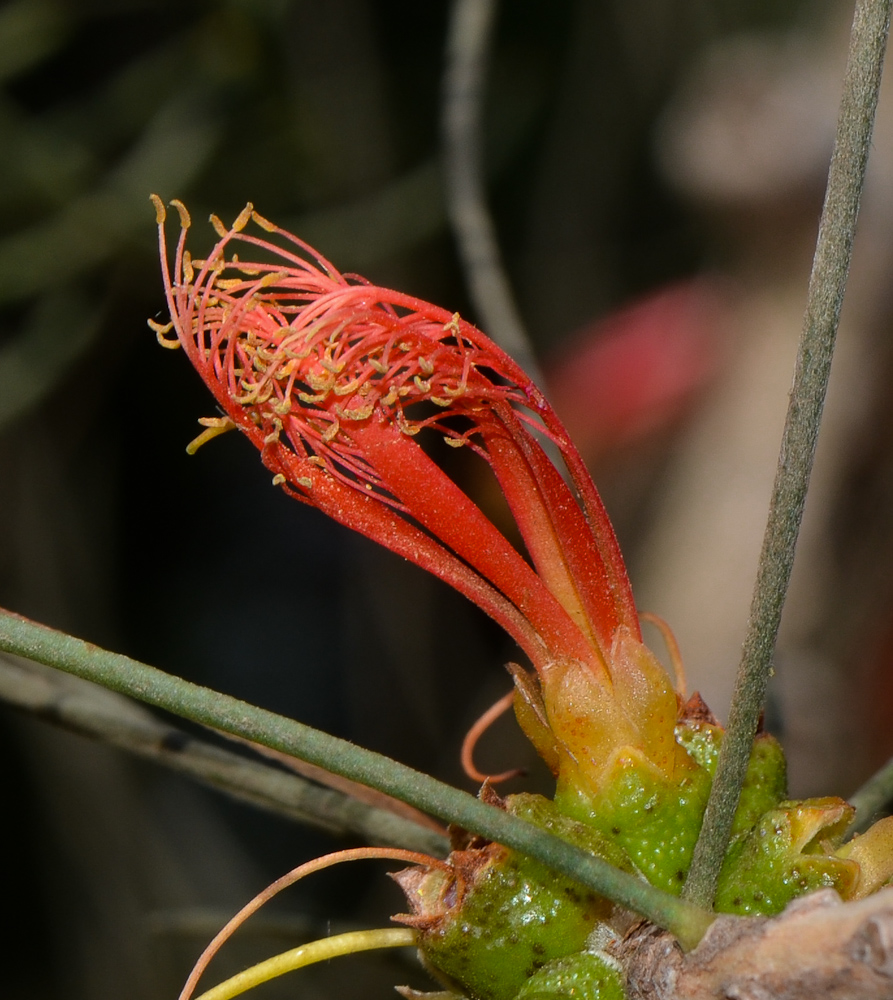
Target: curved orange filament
[476,732]
[295,875]
[672,650]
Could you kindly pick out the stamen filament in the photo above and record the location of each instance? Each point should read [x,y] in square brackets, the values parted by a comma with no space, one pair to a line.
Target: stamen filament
[477,730]
[295,875]
[308,954]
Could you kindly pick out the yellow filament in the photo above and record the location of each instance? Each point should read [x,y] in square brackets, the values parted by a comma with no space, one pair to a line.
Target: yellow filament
[308,954]
[672,649]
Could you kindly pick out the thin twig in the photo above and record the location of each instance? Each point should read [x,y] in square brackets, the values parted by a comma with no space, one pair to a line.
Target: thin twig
[468,45]
[117,721]
[211,708]
[826,288]
[872,798]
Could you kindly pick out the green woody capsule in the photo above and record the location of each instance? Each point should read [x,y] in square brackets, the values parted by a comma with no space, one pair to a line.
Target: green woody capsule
[500,917]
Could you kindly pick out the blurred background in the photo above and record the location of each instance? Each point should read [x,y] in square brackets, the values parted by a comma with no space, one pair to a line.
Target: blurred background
[655,170]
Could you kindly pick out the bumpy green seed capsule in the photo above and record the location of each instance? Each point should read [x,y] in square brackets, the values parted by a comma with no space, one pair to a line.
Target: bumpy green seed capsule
[787,853]
[586,976]
[765,783]
[500,917]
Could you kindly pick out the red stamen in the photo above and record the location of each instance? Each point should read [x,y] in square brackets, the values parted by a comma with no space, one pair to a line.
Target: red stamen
[474,734]
[332,378]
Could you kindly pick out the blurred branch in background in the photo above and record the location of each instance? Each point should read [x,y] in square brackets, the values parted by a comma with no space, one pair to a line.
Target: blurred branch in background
[100,714]
[468,41]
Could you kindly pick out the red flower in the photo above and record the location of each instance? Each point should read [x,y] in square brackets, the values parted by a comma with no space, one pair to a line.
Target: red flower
[333,379]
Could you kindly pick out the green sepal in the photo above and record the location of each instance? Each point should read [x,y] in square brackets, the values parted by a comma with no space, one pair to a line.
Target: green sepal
[655,820]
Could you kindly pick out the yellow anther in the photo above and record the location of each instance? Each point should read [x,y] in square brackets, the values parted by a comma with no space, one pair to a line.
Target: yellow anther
[440,401]
[185,218]
[266,392]
[305,352]
[263,223]
[242,218]
[304,481]
[219,227]
[391,397]
[347,388]
[426,365]
[320,383]
[282,407]
[421,384]
[453,325]
[356,413]
[460,390]
[283,371]
[160,211]
[214,427]
[227,283]
[331,432]
[321,462]
[454,442]
[278,479]
[306,397]
[272,277]
[404,346]
[378,366]
[404,390]
[188,272]
[335,367]
[172,343]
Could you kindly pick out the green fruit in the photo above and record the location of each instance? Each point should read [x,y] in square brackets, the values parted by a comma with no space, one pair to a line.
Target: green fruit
[586,976]
[787,854]
[511,918]
[499,917]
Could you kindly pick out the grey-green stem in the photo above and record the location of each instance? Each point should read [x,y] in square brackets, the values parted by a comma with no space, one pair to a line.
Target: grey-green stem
[827,283]
[872,799]
[25,638]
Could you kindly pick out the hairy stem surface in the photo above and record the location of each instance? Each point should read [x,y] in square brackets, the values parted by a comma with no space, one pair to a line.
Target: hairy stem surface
[827,283]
